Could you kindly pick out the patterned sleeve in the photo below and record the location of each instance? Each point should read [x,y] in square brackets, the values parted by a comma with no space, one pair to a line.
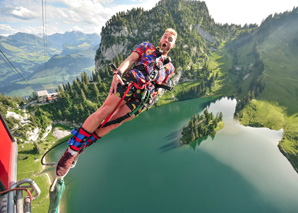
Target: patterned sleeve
[141,49]
[170,69]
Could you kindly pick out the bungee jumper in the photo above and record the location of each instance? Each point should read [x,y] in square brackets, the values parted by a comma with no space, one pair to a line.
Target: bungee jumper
[128,96]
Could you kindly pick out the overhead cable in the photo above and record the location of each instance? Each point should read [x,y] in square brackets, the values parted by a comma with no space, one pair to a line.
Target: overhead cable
[15,69]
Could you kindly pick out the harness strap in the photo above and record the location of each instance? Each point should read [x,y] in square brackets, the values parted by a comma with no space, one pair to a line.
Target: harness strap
[78,139]
[108,118]
[140,87]
[162,86]
[116,121]
[122,118]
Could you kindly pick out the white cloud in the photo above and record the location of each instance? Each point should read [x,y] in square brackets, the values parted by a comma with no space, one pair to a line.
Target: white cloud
[33,30]
[241,12]
[64,15]
[6,29]
[91,15]
[76,28]
[61,13]
[24,13]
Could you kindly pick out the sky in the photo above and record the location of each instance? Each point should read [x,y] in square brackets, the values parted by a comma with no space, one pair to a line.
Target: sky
[88,16]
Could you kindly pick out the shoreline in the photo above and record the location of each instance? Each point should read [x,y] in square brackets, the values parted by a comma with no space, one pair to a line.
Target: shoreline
[58,134]
[253,115]
[62,207]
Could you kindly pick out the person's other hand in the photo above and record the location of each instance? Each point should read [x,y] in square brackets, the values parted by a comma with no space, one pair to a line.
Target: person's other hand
[116,80]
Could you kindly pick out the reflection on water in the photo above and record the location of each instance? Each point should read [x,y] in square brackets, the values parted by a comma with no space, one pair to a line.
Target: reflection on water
[254,154]
[141,167]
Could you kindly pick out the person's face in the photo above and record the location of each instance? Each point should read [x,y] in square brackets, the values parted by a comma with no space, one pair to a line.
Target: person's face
[167,42]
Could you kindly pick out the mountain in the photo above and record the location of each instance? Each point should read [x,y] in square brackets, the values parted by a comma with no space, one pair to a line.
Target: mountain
[24,51]
[198,34]
[72,42]
[59,69]
[29,54]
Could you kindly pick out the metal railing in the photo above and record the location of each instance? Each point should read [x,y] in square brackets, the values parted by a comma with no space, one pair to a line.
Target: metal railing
[22,206]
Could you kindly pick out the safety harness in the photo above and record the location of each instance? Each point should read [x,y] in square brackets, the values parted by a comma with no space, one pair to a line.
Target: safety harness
[80,140]
[150,79]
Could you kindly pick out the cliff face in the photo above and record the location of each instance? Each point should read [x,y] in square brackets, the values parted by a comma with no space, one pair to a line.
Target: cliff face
[197,31]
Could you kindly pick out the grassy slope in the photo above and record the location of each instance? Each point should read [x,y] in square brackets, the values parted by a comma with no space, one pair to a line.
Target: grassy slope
[279,54]
[29,166]
[276,107]
[221,62]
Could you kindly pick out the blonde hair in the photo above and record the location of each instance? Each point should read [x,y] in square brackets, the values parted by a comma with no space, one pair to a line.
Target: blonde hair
[172,31]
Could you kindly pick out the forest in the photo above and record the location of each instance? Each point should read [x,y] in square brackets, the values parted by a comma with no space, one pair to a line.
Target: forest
[201,126]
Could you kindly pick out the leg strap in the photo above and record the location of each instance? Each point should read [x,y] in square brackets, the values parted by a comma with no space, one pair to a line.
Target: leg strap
[92,139]
[78,139]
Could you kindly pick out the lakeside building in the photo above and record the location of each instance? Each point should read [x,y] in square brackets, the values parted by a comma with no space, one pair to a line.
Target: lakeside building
[43,96]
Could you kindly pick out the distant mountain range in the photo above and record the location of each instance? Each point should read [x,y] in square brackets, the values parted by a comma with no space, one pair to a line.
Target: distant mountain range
[44,63]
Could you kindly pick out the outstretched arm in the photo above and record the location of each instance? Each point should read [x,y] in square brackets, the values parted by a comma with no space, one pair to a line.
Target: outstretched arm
[126,64]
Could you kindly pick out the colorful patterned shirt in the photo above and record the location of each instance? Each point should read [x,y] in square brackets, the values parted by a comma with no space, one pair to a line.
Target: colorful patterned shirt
[147,57]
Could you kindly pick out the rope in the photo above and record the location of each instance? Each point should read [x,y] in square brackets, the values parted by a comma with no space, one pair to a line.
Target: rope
[15,69]
[51,164]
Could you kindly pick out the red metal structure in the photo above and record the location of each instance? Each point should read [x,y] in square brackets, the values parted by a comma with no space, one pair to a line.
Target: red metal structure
[8,155]
[11,192]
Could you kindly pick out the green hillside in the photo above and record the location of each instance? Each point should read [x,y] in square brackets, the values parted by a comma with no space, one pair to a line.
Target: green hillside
[268,54]
[280,51]
[42,66]
[24,51]
[260,69]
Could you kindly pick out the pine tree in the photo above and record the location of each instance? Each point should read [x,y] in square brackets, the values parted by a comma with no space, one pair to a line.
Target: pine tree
[215,123]
[96,92]
[83,96]
[211,116]
[193,135]
[98,78]
[196,127]
[61,92]
[76,85]
[104,87]
[59,113]
[85,88]
[220,116]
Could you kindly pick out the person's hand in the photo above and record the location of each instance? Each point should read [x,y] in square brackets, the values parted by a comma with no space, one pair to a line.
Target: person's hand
[116,80]
[154,95]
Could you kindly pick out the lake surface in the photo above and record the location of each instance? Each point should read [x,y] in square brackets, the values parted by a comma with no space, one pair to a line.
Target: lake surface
[140,167]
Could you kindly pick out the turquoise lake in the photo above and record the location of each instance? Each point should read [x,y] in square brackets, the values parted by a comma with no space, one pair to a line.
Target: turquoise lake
[141,167]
